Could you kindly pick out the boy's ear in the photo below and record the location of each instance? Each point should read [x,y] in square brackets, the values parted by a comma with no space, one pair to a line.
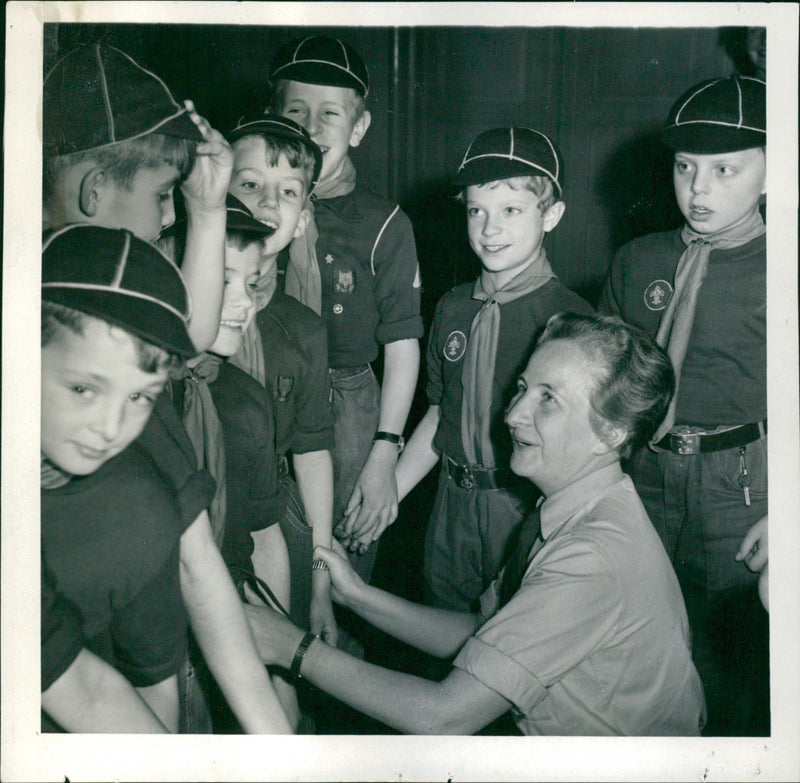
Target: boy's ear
[360,128]
[302,224]
[92,190]
[553,215]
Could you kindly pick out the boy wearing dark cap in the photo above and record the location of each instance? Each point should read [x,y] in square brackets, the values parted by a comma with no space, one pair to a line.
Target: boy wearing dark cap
[116,143]
[701,291]
[114,534]
[481,337]
[357,267]
[276,166]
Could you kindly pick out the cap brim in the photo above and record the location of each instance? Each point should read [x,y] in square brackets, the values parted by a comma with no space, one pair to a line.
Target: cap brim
[146,320]
[710,139]
[491,169]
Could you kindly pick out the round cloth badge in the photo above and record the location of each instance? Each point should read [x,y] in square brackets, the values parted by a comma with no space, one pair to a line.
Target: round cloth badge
[454,346]
[657,295]
[338,309]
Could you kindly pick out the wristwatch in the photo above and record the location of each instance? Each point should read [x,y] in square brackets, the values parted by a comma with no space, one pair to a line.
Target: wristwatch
[398,440]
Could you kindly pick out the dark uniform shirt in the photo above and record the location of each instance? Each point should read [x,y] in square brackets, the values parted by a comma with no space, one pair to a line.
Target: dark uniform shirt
[248,427]
[370,276]
[724,375]
[297,380]
[520,323]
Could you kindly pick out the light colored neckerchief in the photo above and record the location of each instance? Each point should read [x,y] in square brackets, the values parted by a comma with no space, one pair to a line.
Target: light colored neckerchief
[477,374]
[302,274]
[205,432]
[675,327]
[52,477]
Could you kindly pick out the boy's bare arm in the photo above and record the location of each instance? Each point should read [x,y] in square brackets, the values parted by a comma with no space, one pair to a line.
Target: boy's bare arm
[223,634]
[419,456]
[374,499]
[203,267]
[93,697]
[314,473]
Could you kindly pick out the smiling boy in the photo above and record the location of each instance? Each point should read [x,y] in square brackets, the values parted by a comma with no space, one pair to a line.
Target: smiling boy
[481,336]
[276,167]
[701,291]
[357,268]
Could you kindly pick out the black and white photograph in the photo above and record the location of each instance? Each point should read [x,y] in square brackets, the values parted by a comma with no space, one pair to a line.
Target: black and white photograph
[403,392]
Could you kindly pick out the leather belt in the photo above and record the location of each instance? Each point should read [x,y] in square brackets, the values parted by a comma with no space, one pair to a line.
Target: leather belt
[283,466]
[338,373]
[477,477]
[684,441]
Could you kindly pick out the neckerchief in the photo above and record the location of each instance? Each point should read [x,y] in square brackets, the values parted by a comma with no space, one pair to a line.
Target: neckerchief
[303,280]
[530,541]
[205,432]
[477,374]
[52,476]
[675,327]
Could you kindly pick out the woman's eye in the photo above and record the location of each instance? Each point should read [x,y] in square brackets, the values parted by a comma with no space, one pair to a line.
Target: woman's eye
[473,211]
[681,167]
[79,389]
[165,196]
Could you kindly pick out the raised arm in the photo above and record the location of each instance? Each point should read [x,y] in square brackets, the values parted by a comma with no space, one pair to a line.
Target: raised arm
[222,632]
[204,258]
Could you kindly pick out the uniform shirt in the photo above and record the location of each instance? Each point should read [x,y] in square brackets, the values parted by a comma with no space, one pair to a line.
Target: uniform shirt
[370,276]
[297,379]
[596,639]
[165,442]
[111,541]
[724,375]
[248,427]
[520,323]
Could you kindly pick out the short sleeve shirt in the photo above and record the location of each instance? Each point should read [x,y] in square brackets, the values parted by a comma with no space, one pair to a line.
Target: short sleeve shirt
[370,276]
[724,375]
[596,639]
[111,541]
[62,639]
[297,378]
[520,323]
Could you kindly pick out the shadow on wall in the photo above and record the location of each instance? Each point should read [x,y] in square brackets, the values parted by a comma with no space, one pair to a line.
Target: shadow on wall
[635,185]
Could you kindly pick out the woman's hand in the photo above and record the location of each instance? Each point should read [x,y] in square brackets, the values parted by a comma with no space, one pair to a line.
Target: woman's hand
[345,582]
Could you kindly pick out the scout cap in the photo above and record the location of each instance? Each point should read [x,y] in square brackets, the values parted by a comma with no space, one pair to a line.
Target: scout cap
[112,275]
[319,59]
[719,115]
[282,127]
[503,153]
[97,95]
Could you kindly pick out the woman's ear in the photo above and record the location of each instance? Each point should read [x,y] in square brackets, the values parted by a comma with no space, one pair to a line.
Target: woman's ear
[609,438]
[92,190]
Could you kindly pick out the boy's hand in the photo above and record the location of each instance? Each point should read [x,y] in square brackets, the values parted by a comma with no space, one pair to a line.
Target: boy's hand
[373,506]
[754,549]
[345,582]
[323,620]
[207,184]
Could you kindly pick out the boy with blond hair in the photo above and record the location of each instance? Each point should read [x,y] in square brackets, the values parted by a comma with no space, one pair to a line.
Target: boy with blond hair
[701,291]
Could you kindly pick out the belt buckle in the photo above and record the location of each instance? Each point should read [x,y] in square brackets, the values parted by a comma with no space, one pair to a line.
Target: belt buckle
[465,478]
[686,442]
